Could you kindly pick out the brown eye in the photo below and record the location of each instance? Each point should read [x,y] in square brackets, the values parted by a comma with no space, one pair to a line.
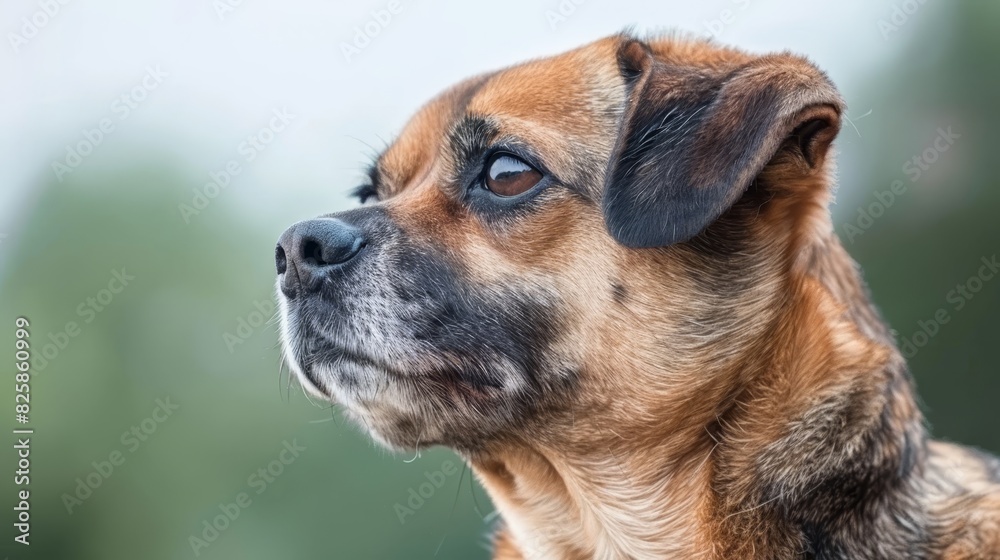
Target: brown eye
[508,175]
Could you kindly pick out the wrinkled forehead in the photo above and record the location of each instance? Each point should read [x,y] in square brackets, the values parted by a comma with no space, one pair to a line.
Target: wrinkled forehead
[556,106]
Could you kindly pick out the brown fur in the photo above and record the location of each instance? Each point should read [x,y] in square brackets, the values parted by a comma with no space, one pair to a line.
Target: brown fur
[734,395]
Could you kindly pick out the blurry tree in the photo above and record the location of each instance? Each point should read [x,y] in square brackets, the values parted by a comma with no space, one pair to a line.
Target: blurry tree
[931,239]
[164,336]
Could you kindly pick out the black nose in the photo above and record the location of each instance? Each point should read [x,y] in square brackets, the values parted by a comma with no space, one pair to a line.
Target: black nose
[308,250]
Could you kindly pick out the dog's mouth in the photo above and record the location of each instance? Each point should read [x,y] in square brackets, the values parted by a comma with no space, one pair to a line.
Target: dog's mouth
[349,376]
[327,367]
[357,374]
[337,366]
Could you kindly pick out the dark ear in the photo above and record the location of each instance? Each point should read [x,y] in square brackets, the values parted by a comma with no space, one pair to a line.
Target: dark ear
[692,140]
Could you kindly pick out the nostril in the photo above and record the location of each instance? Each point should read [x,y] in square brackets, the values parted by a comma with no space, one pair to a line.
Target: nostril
[333,251]
[280,261]
[307,250]
[312,252]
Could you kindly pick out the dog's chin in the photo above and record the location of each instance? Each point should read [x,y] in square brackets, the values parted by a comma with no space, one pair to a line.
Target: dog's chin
[342,377]
[406,410]
[407,394]
[364,391]
[395,408]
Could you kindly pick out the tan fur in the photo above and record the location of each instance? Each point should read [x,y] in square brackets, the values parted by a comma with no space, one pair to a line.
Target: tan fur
[694,412]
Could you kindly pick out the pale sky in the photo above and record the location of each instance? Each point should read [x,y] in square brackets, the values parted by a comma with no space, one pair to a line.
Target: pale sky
[218,75]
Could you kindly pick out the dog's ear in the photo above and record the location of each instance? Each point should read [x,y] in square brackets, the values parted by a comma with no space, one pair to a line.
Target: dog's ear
[692,140]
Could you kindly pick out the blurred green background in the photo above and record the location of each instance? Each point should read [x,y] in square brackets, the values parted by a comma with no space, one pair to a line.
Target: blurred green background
[188,326]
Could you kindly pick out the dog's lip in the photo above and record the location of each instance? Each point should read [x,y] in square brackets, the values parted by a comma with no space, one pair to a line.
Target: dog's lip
[359,358]
[314,383]
[330,354]
[330,357]
[326,353]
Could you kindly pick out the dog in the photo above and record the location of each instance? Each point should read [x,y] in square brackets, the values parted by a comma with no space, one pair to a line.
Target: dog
[609,281]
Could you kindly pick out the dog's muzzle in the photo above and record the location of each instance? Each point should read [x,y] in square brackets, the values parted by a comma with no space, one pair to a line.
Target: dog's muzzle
[386,324]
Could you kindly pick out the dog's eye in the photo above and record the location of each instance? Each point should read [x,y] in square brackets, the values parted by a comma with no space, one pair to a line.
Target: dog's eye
[508,175]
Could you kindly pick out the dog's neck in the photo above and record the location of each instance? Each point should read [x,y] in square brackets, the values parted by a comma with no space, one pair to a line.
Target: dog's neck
[615,499]
[824,406]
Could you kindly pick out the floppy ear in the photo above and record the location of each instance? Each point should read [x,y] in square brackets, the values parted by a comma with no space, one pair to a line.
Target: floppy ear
[692,140]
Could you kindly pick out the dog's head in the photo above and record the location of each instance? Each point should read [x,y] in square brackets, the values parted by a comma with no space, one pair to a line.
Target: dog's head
[600,235]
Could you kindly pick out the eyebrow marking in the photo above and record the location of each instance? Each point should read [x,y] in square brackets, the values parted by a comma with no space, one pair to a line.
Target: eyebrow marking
[373,173]
[372,187]
[471,136]
[364,192]
[380,180]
